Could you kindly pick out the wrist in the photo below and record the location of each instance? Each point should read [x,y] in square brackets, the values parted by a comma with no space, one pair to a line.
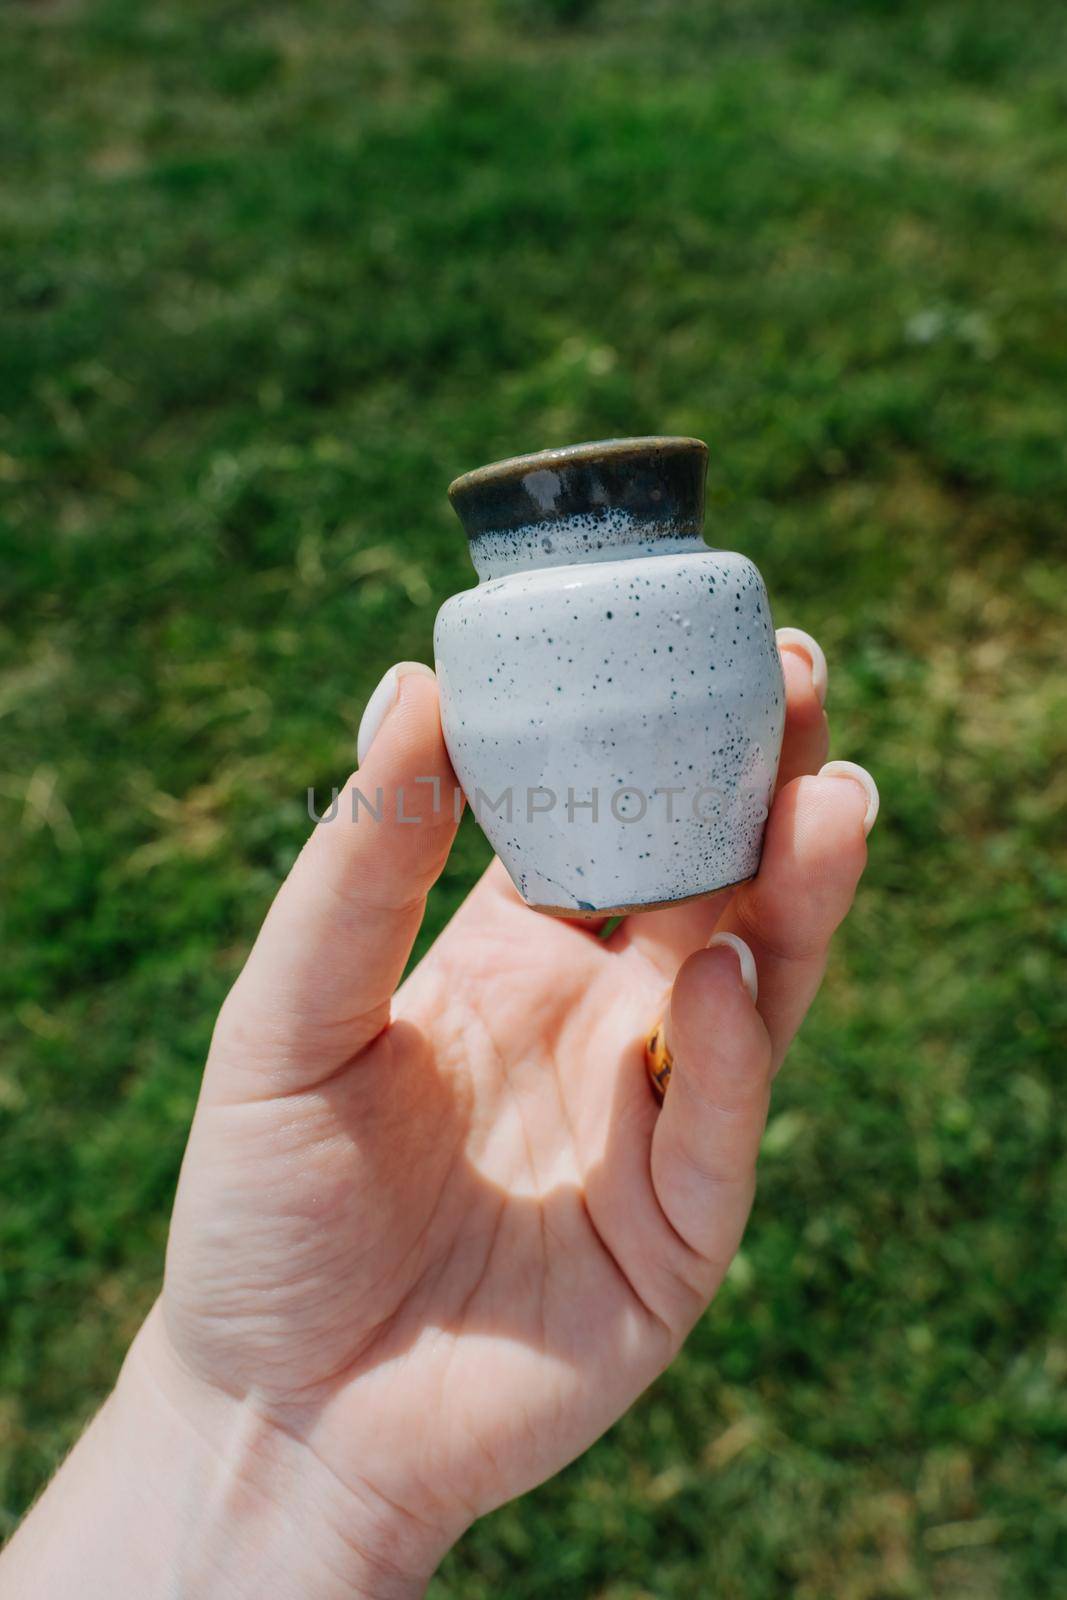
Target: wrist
[178,1490]
[263,1515]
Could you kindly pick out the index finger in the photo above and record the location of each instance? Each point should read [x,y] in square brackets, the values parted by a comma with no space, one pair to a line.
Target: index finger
[667,937]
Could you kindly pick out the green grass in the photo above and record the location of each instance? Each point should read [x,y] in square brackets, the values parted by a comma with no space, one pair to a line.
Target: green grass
[271,275]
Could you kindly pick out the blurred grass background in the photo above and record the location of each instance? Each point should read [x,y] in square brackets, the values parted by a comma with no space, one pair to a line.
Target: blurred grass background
[273,274]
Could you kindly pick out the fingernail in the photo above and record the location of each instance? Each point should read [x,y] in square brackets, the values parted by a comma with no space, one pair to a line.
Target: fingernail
[797,639]
[746,960]
[382,702]
[860,775]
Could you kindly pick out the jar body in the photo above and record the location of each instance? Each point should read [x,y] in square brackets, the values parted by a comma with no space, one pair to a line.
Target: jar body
[616,724]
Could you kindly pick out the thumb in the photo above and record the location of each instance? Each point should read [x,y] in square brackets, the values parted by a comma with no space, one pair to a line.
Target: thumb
[318,984]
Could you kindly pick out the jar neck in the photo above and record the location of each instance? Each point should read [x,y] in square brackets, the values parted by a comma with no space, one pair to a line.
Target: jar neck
[580,540]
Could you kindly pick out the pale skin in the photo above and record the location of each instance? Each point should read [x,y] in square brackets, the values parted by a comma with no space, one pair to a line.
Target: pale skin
[429,1243]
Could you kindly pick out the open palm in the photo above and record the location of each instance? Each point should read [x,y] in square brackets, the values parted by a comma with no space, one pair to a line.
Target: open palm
[444,1236]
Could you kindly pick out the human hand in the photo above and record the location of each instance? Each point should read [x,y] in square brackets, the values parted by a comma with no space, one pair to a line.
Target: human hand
[428,1245]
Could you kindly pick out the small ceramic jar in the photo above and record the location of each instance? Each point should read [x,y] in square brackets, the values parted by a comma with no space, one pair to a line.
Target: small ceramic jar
[611,690]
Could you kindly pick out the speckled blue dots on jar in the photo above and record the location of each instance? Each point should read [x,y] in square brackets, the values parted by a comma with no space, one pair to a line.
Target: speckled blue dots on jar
[611,690]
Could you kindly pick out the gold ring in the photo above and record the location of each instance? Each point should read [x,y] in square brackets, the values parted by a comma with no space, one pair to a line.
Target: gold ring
[658,1060]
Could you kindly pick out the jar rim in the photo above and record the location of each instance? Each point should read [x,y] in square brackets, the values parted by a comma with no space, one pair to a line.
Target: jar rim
[592,450]
[650,476]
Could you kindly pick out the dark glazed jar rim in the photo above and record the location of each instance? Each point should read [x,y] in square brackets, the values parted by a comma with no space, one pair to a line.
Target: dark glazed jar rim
[647,480]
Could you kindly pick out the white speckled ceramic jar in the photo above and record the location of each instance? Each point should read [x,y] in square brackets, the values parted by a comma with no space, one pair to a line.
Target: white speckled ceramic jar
[611,690]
